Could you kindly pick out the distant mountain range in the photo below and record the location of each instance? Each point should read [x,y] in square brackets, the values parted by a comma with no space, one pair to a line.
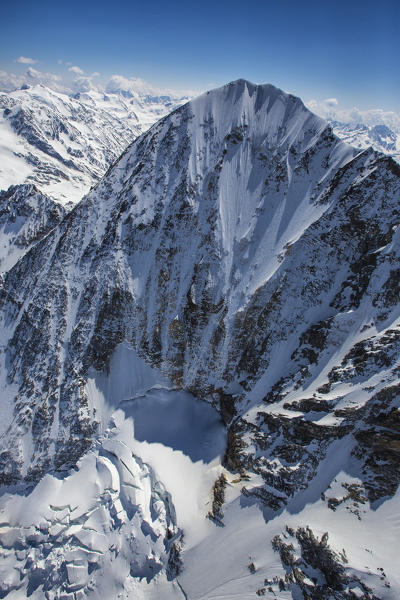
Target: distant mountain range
[380,137]
[63,143]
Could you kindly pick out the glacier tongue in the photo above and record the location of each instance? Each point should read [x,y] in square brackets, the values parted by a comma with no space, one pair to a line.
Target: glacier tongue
[107,524]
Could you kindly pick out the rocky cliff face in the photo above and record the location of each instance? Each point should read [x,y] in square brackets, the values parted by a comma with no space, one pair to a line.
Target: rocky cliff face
[251,257]
[26,216]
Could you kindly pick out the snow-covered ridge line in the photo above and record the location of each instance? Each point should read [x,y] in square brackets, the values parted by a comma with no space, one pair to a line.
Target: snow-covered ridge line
[250,257]
[63,143]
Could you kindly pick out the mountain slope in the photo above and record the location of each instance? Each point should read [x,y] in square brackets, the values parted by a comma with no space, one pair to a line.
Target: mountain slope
[64,144]
[250,257]
[26,216]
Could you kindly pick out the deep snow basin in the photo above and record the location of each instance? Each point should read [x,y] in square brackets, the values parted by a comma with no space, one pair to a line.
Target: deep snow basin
[147,480]
[179,436]
[158,454]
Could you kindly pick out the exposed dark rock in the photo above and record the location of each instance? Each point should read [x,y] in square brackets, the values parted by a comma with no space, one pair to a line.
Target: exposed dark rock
[234,445]
[316,570]
[148,258]
[218,498]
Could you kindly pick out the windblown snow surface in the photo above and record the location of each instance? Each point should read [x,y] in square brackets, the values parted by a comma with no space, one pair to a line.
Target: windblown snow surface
[200,368]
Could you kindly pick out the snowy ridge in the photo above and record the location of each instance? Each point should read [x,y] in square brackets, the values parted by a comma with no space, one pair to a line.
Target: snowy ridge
[249,256]
[64,144]
[380,137]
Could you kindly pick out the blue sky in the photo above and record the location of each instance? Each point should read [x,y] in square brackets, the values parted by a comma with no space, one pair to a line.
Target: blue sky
[349,50]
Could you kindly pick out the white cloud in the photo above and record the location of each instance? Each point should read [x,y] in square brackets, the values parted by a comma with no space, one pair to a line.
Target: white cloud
[82,83]
[330,109]
[51,80]
[25,60]
[119,83]
[76,70]
[34,74]
[135,85]
[10,81]
[95,74]
[331,101]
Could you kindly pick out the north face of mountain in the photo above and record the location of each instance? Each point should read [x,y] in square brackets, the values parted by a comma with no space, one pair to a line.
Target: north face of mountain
[249,257]
[217,245]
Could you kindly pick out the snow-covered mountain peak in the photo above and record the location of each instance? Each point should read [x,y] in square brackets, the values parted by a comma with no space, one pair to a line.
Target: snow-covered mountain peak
[280,116]
[240,252]
[242,152]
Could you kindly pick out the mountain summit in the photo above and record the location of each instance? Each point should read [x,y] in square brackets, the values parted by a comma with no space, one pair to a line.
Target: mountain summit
[240,252]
